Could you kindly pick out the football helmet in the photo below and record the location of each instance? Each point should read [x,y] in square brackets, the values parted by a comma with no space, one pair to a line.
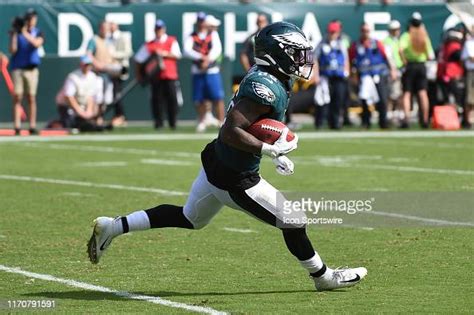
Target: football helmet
[284,47]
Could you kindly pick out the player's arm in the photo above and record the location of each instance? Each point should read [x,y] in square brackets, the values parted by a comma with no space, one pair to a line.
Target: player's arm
[71,100]
[175,52]
[140,58]
[189,52]
[244,59]
[238,119]
[13,43]
[34,41]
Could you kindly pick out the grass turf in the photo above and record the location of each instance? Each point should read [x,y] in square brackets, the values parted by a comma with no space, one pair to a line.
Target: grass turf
[44,228]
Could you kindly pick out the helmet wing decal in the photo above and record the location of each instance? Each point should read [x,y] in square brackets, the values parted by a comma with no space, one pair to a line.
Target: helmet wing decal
[294,39]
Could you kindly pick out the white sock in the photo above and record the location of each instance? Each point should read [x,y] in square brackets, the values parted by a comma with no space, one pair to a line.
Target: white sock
[313,264]
[138,221]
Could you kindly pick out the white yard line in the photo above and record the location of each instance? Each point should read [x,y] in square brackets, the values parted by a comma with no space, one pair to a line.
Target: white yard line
[411,169]
[103,149]
[90,184]
[112,137]
[76,194]
[229,229]
[209,136]
[103,164]
[415,169]
[415,218]
[167,162]
[123,294]
[365,228]
[384,134]
[409,143]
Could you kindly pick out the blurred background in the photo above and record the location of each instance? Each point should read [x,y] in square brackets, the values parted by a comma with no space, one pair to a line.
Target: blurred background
[68,26]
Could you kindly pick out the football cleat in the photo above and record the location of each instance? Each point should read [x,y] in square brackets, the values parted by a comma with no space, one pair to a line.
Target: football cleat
[340,278]
[211,121]
[102,235]
[201,127]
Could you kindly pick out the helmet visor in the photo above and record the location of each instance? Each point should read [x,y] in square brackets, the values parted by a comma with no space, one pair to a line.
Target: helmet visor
[303,59]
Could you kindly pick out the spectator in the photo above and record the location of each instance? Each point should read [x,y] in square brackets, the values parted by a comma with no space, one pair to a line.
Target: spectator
[331,69]
[25,40]
[213,26]
[77,98]
[164,84]
[392,46]
[121,50]
[346,42]
[204,47]
[103,62]
[370,62]
[467,56]
[415,49]
[450,74]
[247,51]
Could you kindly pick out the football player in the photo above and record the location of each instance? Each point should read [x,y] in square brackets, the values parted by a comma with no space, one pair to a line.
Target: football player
[230,173]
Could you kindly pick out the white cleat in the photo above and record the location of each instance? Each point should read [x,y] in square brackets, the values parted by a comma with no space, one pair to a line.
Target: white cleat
[201,127]
[102,235]
[340,278]
[214,122]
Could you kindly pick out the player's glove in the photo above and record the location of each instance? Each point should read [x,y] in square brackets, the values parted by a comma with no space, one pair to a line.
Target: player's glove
[281,146]
[284,166]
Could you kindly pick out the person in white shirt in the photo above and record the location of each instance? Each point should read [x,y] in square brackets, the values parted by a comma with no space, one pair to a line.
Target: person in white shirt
[77,99]
[204,48]
[467,56]
[163,52]
[120,47]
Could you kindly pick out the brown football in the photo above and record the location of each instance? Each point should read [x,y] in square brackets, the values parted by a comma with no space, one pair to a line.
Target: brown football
[269,130]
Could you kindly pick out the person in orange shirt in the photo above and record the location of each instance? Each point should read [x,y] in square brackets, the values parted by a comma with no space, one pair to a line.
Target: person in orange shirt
[165,89]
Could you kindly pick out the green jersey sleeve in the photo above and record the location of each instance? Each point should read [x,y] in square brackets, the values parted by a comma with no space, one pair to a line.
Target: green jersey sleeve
[261,89]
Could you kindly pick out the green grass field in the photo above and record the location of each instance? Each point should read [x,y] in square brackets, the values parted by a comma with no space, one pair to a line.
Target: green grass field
[51,191]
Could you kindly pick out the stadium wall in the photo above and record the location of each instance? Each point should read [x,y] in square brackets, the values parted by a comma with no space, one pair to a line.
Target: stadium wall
[68,27]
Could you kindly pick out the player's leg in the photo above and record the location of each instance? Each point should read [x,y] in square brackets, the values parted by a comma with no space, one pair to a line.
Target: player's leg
[215,91]
[338,95]
[383,92]
[172,97]
[199,101]
[334,104]
[31,87]
[407,85]
[18,91]
[198,211]
[365,116]
[157,102]
[266,203]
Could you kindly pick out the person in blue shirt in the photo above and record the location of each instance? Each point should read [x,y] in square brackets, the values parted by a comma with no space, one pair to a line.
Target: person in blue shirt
[25,41]
[373,68]
[331,69]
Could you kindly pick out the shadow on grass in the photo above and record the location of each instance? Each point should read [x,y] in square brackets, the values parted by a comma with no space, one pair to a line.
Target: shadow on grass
[94,295]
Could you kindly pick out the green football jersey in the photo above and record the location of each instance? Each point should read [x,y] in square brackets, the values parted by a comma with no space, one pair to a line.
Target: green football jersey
[265,89]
